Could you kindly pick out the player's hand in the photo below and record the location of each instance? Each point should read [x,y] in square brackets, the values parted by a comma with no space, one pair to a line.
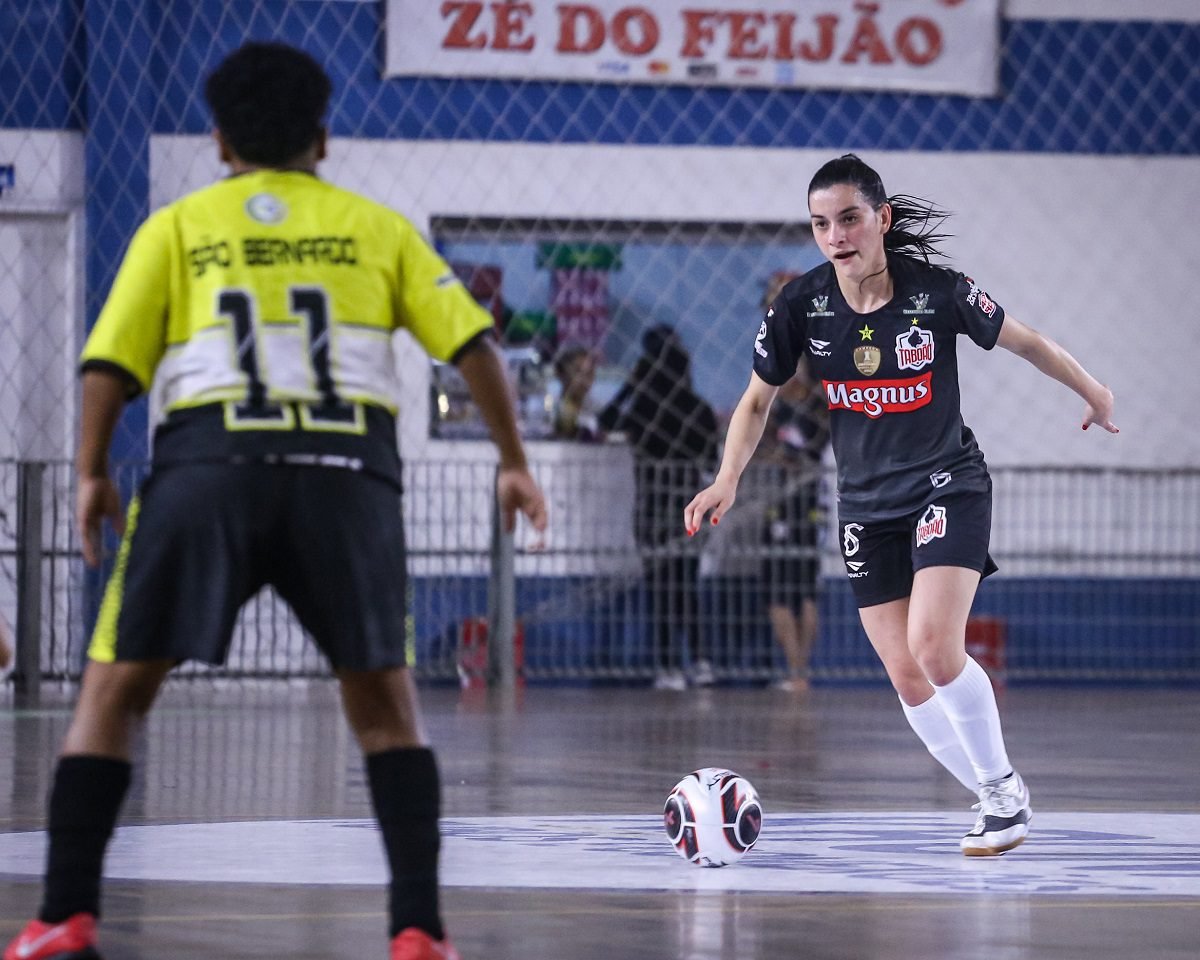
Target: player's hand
[517,490]
[96,498]
[718,498]
[1099,411]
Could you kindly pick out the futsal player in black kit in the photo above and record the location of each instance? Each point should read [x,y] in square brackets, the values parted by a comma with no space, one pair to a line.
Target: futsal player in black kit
[878,325]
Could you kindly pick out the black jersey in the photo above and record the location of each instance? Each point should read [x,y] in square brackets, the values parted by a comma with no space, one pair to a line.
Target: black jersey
[890,379]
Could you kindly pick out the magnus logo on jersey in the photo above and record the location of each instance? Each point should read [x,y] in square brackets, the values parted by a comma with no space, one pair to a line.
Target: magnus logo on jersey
[932,525]
[914,349]
[819,348]
[876,399]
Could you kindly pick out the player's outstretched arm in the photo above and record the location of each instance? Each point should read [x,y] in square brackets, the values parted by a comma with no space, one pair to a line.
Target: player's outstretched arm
[741,440]
[1054,361]
[481,367]
[96,495]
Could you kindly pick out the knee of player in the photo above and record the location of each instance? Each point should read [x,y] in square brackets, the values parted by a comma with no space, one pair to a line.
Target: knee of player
[939,658]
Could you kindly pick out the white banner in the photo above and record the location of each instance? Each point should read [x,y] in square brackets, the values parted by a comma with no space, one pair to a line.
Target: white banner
[929,46]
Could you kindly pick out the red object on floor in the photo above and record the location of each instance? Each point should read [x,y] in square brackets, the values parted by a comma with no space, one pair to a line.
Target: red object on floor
[986,638]
[473,652]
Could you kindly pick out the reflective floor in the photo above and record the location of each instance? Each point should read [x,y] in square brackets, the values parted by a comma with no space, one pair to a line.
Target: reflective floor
[247,831]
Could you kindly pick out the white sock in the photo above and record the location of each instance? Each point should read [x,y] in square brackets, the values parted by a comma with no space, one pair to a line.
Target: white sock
[970,706]
[930,723]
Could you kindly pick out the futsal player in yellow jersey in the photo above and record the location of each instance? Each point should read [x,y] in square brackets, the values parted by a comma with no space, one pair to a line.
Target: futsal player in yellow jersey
[263,309]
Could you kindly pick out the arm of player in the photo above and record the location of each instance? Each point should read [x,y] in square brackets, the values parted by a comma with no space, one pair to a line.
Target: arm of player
[96,495]
[516,489]
[741,440]
[1057,363]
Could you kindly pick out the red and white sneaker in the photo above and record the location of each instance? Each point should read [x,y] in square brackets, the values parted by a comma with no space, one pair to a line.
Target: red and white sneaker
[73,939]
[416,944]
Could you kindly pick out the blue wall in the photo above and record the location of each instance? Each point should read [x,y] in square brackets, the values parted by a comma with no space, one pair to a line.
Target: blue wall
[1076,629]
[1068,86]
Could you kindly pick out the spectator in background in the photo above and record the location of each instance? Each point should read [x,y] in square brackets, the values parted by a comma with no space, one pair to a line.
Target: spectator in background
[673,435]
[574,415]
[793,443]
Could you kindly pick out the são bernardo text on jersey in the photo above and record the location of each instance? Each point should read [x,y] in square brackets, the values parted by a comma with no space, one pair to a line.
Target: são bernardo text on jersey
[275,252]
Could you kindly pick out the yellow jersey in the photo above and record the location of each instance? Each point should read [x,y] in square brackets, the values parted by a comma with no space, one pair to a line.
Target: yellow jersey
[265,305]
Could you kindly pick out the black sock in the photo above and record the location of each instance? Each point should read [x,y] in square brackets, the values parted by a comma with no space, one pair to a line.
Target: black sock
[84,803]
[407,797]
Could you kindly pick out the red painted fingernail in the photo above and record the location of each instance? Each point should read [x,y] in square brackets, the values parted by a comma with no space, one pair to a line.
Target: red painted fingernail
[715,521]
[1085,426]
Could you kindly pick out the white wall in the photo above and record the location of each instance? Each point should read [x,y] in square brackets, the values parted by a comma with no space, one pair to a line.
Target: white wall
[41,293]
[1098,252]
[41,323]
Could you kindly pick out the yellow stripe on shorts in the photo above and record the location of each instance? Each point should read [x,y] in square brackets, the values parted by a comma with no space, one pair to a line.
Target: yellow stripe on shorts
[103,647]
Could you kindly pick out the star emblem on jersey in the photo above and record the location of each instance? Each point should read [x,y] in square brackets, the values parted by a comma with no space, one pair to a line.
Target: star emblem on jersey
[866,332]
[914,349]
[932,525]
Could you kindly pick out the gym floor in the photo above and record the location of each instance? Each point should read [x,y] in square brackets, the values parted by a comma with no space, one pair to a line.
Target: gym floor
[247,833]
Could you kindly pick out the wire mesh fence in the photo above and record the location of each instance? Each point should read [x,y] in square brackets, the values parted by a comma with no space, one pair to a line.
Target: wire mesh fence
[587,214]
[1100,579]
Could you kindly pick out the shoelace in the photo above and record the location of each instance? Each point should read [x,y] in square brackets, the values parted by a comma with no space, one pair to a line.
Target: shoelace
[997,800]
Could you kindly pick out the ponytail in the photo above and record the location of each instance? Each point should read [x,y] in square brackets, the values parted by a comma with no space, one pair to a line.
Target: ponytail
[914,228]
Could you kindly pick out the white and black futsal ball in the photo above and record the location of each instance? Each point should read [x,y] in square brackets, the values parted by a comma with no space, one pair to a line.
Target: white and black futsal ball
[713,817]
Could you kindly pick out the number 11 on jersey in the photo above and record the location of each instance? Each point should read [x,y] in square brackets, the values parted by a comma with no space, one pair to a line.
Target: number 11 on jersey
[258,411]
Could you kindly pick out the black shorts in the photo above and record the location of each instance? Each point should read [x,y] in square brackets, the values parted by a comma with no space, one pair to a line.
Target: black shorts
[882,555]
[202,539]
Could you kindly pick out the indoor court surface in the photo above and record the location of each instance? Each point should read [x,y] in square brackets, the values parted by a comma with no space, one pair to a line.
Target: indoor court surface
[247,833]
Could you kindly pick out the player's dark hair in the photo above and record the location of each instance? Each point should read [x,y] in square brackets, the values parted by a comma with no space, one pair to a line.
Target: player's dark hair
[268,100]
[914,221]
[568,355]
